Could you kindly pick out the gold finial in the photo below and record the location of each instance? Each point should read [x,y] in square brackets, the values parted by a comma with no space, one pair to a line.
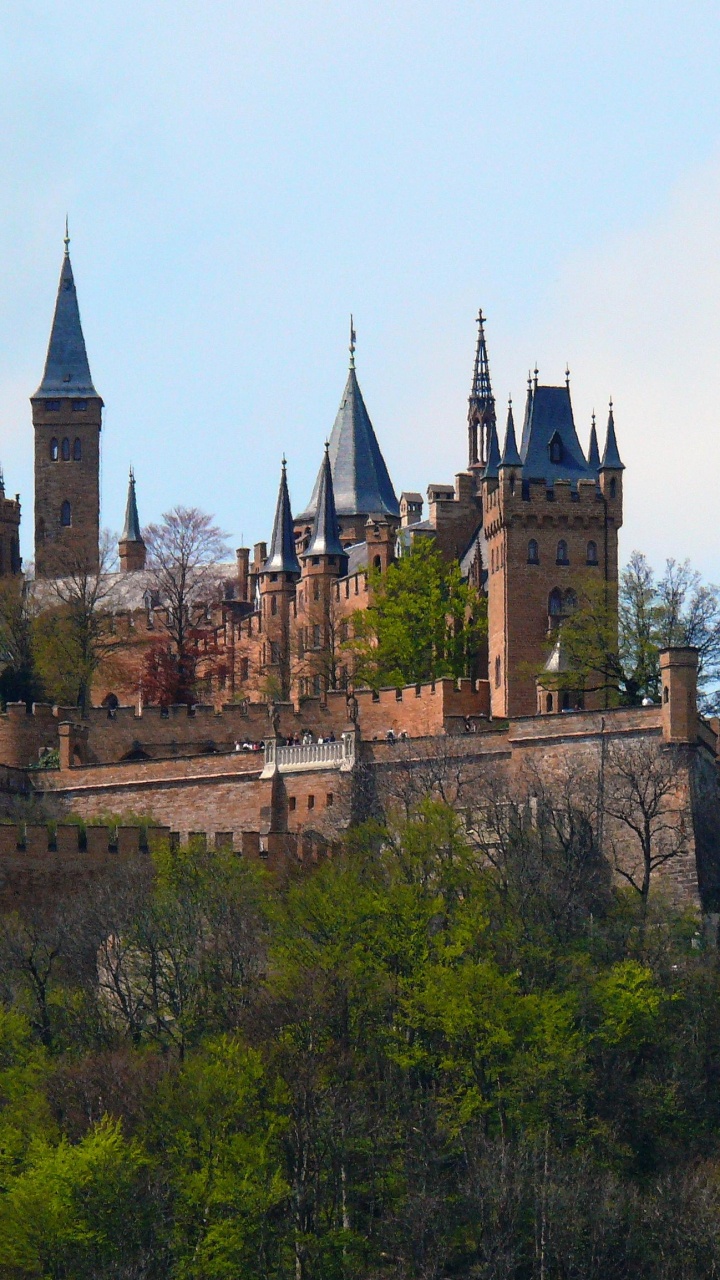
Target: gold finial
[353,339]
[67,238]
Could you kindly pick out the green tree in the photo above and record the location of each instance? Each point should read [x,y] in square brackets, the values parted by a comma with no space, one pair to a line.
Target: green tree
[424,622]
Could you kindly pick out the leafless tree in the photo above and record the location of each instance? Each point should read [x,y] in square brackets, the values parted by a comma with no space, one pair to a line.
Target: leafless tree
[641,797]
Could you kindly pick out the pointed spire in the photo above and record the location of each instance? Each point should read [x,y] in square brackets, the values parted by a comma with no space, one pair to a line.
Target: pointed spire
[325,536]
[593,451]
[510,456]
[131,529]
[611,454]
[67,372]
[282,557]
[493,459]
[481,401]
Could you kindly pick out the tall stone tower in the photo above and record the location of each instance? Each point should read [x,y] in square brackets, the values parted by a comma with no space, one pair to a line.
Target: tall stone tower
[551,520]
[10,562]
[67,417]
[131,548]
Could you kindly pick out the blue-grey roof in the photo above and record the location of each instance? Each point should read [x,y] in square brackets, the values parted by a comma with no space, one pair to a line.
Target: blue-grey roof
[548,417]
[325,536]
[362,483]
[593,451]
[510,455]
[131,529]
[67,372]
[611,454]
[493,458]
[282,557]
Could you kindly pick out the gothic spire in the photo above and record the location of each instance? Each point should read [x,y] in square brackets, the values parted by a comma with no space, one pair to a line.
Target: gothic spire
[67,372]
[131,529]
[282,557]
[481,401]
[510,456]
[611,454]
[325,536]
[593,451]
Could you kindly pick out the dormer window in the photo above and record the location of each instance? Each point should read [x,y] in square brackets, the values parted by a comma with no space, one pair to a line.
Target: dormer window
[556,448]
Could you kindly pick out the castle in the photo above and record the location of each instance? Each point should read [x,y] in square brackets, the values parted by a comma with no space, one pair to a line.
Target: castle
[529,521]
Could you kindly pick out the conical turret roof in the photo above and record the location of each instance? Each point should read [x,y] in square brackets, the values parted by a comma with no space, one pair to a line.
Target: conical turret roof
[131,529]
[282,557]
[511,456]
[611,454]
[360,477]
[493,458]
[67,372]
[593,451]
[325,536]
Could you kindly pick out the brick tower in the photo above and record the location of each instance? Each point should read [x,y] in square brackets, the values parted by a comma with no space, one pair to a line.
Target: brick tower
[323,561]
[276,588]
[551,520]
[10,562]
[67,415]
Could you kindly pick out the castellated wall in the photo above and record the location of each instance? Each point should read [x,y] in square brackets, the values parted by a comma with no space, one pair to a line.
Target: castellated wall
[443,706]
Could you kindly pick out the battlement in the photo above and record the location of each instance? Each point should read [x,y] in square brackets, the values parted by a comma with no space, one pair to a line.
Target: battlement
[515,500]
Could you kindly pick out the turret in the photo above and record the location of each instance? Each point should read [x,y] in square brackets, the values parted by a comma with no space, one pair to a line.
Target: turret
[611,467]
[277,578]
[67,417]
[323,562]
[481,404]
[131,548]
[10,562]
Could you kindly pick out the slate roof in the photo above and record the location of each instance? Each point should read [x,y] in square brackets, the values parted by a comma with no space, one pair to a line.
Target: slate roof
[360,478]
[282,557]
[549,415]
[325,536]
[593,451]
[493,458]
[67,372]
[131,528]
[510,455]
[611,454]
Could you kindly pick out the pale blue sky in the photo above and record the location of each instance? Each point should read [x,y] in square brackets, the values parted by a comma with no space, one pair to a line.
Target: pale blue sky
[240,177]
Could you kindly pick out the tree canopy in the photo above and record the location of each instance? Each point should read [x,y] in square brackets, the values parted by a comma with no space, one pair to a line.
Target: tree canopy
[424,621]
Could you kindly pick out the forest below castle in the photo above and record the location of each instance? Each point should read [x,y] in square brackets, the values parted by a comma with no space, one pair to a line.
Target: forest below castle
[430,1057]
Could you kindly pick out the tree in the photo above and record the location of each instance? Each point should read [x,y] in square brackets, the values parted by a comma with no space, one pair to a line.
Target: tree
[184,557]
[424,622]
[616,649]
[74,634]
[640,796]
[19,678]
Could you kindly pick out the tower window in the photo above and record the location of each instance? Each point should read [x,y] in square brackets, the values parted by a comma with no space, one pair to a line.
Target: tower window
[497,672]
[273,604]
[52,406]
[377,564]
[66,514]
[66,450]
[562,552]
[592,553]
[533,552]
[53,450]
[613,488]
[77,449]
[79,406]
[555,603]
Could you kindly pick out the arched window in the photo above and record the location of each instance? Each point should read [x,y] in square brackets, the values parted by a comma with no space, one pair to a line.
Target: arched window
[562,552]
[666,694]
[273,604]
[77,449]
[533,552]
[66,450]
[591,557]
[613,488]
[377,564]
[548,702]
[66,514]
[555,604]
[53,450]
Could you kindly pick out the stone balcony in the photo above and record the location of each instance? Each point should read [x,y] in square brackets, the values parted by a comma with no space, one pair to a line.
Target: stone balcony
[309,757]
